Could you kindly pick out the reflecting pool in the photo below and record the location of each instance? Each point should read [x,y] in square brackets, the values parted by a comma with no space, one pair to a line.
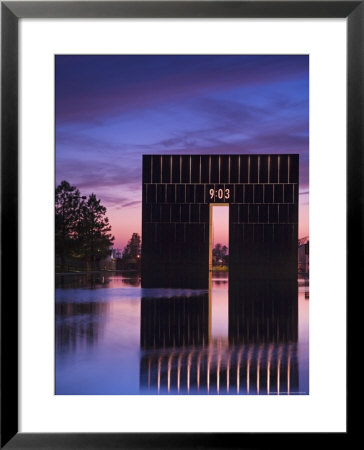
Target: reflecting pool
[113,337]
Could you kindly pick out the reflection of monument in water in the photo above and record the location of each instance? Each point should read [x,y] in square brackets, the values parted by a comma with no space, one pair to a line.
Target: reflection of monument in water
[263,312]
[179,321]
[260,356]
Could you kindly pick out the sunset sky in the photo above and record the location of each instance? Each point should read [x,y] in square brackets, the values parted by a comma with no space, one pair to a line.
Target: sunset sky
[110,110]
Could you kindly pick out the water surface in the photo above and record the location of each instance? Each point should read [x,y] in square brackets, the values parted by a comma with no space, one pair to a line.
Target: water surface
[113,337]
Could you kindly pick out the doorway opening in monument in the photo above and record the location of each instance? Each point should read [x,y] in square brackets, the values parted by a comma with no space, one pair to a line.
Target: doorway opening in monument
[219,239]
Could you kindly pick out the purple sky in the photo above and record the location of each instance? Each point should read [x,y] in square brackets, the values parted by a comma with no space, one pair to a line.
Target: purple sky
[112,109]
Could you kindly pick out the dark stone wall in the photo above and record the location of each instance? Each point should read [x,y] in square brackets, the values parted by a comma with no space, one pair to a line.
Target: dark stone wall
[263,220]
[262,191]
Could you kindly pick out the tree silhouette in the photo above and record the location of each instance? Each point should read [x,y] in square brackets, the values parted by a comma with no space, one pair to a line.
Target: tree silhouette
[94,231]
[67,215]
[82,231]
[132,250]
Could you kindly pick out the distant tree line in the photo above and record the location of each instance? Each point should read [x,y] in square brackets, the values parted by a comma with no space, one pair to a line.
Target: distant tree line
[220,255]
[130,258]
[82,230]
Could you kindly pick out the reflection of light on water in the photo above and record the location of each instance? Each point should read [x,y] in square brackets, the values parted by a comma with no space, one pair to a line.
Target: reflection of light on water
[279,372]
[238,374]
[289,371]
[248,371]
[159,372]
[257,369]
[268,369]
[228,375]
[179,372]
[169,371]
[219,308]
[188,371]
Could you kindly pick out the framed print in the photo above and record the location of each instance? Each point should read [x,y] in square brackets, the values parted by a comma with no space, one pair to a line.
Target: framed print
[207,305]
[168,169]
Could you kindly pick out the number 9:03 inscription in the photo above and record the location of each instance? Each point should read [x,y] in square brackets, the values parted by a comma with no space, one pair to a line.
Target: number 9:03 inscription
[221,194]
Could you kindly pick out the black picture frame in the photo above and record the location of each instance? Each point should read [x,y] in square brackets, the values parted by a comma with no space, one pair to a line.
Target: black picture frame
[11,12]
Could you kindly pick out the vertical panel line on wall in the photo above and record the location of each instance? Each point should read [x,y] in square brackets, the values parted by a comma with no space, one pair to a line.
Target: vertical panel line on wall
[170,169]
[289,169]
[151,169]
[180,169]
[248,169]
[209,169]
[161,169]
[279,168]
[239,169]
[199,172]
